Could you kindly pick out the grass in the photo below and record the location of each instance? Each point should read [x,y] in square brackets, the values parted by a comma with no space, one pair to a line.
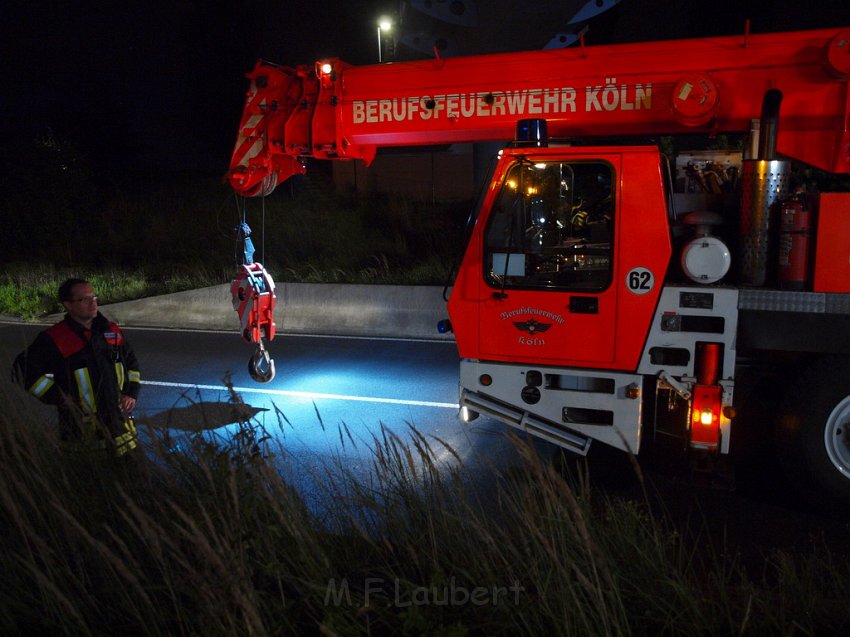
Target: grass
[30,293]
[216,539]
[160,235]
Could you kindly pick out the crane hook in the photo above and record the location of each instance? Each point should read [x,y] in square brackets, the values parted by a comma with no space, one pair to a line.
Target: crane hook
[261,365]
[254,300]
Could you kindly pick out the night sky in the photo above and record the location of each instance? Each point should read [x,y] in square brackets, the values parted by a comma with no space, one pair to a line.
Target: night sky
[155,84]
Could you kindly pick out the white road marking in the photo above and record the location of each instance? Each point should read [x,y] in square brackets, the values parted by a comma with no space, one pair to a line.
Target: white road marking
[304,394]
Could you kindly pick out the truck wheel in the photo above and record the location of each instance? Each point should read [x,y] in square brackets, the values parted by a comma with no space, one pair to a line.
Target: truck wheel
[814,431]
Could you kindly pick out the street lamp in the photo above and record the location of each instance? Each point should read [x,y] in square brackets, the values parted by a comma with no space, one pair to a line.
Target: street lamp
[384,24]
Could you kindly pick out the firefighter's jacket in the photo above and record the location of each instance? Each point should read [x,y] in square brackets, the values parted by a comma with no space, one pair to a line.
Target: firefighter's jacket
[92,368]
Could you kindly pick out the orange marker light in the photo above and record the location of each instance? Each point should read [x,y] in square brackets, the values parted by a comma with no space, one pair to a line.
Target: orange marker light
[705,416]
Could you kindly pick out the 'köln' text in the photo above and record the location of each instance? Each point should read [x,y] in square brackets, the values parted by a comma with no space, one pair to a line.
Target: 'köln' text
[522,102]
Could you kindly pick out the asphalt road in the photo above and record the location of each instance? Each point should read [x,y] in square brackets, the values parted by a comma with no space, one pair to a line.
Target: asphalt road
[329,402]
[333,397]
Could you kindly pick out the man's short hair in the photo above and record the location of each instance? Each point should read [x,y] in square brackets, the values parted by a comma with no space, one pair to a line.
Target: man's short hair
[67,286]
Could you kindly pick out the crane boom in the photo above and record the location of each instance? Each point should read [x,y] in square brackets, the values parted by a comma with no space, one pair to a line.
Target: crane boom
[333,110]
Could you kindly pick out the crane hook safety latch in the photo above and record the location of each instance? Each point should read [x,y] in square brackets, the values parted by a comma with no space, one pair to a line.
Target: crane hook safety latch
[254,300]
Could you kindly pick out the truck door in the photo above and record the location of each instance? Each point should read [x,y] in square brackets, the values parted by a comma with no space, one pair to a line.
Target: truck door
[548,256]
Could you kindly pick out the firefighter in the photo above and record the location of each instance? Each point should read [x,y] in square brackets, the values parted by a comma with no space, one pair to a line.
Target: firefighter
[84,366]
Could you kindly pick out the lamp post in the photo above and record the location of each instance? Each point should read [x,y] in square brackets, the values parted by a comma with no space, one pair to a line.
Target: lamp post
[384,24]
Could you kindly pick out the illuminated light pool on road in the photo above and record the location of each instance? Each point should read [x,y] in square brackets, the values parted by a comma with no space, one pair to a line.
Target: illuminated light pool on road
[305,394]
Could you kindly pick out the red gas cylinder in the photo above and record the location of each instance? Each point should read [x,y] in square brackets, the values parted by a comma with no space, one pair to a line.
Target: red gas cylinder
[795,238]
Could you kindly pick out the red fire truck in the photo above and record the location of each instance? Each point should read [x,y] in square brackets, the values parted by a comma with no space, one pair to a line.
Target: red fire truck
[592,302]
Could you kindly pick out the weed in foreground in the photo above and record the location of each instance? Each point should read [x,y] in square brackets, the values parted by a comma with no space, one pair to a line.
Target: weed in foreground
[212,539]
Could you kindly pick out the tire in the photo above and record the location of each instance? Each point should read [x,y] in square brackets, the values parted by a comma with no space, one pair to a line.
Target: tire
[813,432]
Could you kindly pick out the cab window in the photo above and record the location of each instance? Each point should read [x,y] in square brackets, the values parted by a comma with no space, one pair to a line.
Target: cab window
[552,227]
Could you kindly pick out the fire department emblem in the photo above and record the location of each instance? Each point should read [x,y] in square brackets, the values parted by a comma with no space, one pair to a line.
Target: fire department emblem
[532,326]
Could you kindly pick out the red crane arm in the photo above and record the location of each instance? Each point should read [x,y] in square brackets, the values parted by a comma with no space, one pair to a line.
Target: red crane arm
[705,85]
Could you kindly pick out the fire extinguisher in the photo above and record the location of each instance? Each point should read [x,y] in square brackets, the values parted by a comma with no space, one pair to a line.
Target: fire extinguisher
[795,238]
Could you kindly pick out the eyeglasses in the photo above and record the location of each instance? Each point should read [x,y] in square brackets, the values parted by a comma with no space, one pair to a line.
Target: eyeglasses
[86,299]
